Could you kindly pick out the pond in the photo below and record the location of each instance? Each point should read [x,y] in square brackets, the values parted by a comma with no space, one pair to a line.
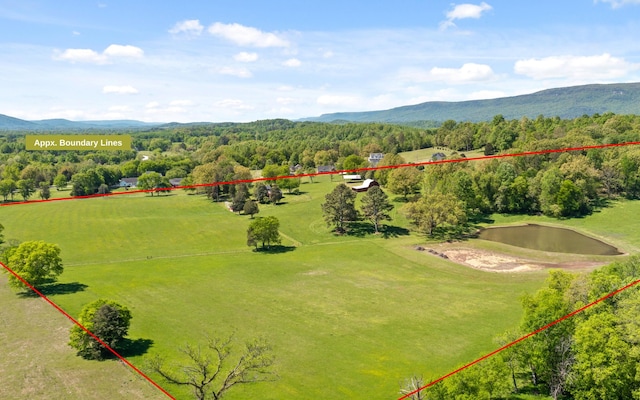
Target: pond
[546,238]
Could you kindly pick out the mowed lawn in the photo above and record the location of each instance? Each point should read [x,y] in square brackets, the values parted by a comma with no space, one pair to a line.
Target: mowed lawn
[348,316]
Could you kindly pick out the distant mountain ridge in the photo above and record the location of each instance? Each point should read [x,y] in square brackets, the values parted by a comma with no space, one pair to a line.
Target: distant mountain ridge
[568,102]
[8,123]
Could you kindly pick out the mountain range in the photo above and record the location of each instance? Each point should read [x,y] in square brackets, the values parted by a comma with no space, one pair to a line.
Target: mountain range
[567,102]
[8,123]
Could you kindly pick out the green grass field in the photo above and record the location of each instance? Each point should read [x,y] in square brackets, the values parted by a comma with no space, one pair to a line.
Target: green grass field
[348,316]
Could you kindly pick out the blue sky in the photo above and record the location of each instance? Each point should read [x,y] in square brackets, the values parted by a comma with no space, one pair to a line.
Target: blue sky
[223,60]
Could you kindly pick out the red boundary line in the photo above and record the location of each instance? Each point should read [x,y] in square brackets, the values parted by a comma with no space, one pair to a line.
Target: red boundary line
[526,153]
[521,339]
[106,346]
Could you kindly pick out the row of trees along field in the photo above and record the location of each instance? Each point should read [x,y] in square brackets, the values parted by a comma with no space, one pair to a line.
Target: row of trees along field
[592,355]
[225,152]
[219,148]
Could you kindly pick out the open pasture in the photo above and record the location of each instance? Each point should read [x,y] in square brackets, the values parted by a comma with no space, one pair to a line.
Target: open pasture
[348,316]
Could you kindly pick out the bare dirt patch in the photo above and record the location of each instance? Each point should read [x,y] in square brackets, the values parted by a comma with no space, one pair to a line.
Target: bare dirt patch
[492,261]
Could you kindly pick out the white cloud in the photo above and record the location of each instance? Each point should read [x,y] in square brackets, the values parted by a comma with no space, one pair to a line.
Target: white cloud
[237,72]
[93,57]
[153,104]
[117,50]
[119,89]
[246,57]
[233,104]
[285,88]
[292,62]
[190,27]
[618,3]
[119,108]
[327,54]
[469,72]
[285,101]
[81,55]
[75,33]
[602,66]
[181,103]
[247,36]
[338,100]
[464,11]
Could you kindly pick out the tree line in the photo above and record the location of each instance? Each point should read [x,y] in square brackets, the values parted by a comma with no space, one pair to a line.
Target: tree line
[212,153]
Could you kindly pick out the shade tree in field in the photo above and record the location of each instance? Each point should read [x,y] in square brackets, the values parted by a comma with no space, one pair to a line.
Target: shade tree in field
[261,193]
[381,175]
[26,188]
[7,186]
[404,181]
[45,191]
[36,262]
[222,364]
[240,198]
[275,194]
[153,181]
[290,184]
[264,230]
[436,211]
[339,207]
[376,206]
[107,320]
[250,208]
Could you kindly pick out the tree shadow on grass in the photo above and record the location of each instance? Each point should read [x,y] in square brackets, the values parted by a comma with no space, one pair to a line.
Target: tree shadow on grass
[393,231]
[360,229]
[56,288]
[134,347]
[364,228]
[277,249]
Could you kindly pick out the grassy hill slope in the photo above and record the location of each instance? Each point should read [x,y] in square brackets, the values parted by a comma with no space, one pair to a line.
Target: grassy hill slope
[348,316]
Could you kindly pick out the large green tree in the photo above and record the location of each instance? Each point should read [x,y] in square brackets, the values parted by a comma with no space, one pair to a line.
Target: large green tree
[548,355]
[86,183]
[107,320]
[36,262]
[26,188]
[376,206]
[339,207]
[264,230]
[436,210]
[7,186]
[152,181]
[250,208]
[404,181]
[603,368]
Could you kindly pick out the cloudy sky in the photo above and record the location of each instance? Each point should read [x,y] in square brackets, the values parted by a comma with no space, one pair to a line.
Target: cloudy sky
[237,60]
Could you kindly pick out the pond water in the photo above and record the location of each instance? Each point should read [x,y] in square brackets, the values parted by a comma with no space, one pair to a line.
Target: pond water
[546,238]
